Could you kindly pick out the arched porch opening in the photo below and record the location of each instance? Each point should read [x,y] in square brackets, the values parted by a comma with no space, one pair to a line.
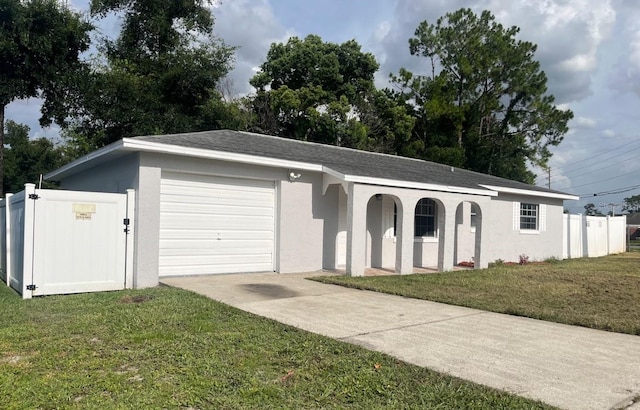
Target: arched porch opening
[467,234]
[429,223]
[381,244]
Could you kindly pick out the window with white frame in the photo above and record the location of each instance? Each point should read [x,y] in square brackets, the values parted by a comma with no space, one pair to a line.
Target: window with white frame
[529,215]
[425,219]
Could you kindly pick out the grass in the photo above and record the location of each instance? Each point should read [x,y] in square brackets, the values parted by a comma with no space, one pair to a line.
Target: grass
[169,348]
[600,293]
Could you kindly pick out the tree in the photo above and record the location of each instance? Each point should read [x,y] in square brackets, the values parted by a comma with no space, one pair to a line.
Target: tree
[591,210]
[40,43]
[632,204]
[324,92]
[158,76]
[484,103]
[25,159]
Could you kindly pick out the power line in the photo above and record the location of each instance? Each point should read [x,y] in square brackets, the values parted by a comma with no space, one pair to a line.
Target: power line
[568,174]
[569,168]
[612,192]
[606,179]
[601,153]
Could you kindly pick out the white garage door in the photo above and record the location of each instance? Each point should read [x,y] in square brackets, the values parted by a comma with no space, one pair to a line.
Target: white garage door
[215,225]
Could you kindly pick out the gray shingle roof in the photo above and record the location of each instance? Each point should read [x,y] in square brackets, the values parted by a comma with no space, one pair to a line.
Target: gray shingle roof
[344,160]
[633,219]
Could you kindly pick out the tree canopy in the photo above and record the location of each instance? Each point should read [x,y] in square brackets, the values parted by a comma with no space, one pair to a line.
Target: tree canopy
[40,44]
[159,75]
[591,210]
[324,92]
[483,102]
[26,159]
[632,204]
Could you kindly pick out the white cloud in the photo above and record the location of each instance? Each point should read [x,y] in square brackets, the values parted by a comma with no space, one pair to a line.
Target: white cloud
[609,133]
[252,26]
[583,122]
[625,75]
[568,34]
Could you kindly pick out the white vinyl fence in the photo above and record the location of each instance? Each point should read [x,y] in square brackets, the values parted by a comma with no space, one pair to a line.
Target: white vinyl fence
[591,236]
[56,242]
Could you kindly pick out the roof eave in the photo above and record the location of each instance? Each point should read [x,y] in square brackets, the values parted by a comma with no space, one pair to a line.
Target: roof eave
[128,144]
[69,168]
[419,185]
[528,192]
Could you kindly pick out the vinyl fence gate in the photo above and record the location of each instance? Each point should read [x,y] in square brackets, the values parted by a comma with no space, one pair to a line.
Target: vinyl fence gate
[57,242]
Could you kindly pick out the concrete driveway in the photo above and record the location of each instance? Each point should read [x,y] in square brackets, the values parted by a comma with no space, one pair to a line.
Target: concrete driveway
[566,366]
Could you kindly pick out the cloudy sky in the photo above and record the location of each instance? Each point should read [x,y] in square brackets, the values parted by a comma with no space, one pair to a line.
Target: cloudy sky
[589,49]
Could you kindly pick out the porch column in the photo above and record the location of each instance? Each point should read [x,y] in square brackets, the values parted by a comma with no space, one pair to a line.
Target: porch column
[447,235]
[356,230]
[404,236]
[480,260]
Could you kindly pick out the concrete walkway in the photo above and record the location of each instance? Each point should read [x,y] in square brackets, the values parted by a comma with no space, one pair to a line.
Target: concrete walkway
[566,366]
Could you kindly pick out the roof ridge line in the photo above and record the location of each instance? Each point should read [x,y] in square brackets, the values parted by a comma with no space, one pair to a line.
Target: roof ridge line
[338,147]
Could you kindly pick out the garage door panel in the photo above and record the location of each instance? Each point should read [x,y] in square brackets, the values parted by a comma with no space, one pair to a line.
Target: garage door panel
[217,189]
[227,260]
[215,225]
[211,247]
[209,209]
[186,179]
[226,186]
[182,270]
[196,234]
[217,196]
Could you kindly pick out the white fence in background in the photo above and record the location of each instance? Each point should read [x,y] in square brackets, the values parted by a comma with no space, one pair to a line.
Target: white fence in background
[592,236]
[56,242]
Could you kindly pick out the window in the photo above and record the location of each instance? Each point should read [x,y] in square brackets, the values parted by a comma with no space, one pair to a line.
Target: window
[425,220]
[529,216]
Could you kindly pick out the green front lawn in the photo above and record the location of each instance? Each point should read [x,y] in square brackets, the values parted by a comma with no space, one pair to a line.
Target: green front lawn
[601,293]
[169,348]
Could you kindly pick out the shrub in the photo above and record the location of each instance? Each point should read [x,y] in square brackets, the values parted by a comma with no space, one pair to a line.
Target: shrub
[497,262]
[524,259]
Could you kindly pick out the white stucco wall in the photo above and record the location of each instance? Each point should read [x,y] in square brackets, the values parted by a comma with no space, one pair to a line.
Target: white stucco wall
[507,243]
[113,176]
[425,252]
[147,240]
[308,224]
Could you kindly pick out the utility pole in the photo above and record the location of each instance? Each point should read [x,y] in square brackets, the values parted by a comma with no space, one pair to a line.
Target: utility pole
[549,177]
[612,207]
